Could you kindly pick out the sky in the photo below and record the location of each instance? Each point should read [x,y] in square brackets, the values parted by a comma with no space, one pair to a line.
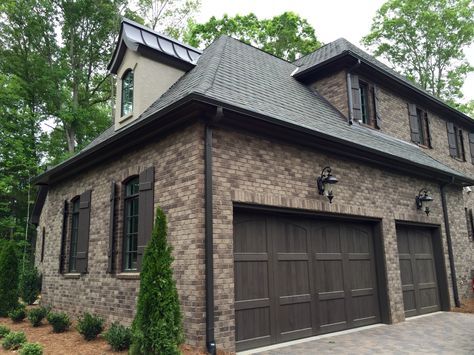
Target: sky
[331,20]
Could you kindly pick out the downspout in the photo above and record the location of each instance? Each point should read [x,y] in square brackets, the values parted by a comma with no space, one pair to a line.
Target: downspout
[209,240]
[449,242]
[349,90]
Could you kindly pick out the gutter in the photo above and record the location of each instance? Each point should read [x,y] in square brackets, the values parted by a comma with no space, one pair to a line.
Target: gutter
[457,302]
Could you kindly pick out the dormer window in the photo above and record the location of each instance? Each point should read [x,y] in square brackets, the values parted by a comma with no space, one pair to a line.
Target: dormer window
[127,93]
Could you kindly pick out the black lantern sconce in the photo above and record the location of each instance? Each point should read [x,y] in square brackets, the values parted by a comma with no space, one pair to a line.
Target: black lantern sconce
[326,183]
[423,201]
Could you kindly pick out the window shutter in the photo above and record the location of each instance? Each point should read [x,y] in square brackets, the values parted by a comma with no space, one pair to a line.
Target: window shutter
[62,253]
[414,129]
[471,146]
[378,118]
[83,231]
[110,255]
[145,211]
[43,236]
[428,134]
[453,151]
[355,92]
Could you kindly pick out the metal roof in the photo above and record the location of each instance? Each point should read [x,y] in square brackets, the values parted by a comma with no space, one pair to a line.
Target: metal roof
[136,37]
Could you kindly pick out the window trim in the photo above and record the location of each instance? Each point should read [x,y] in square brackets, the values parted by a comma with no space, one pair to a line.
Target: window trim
[128,72]
[75,201]
[126,198]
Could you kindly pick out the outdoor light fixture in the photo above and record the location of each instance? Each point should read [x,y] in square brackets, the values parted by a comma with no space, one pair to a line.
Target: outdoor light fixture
[423,201]
[326,183]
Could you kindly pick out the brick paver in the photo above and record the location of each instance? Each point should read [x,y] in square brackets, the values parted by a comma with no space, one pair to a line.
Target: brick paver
[440,333]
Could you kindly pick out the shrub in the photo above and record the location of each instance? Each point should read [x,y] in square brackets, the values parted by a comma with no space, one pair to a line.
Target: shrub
[90,326]
[18,314]
[3,331]
[31,349]
[29,284]
[36,315]
[59,321]
[14,340]
[119,337]
[157,327]
[8,279]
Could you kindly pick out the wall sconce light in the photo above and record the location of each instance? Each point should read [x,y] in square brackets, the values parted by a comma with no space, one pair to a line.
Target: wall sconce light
[326,183]
[423,201]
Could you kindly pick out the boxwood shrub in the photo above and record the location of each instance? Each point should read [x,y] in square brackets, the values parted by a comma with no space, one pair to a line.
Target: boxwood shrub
[119,337]
[3,331]
[17,314]
[59,321]
[14,340]
[90,326]
[36,315]
[31,349]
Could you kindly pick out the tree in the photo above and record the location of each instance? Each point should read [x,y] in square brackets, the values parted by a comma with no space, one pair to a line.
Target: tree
[167,16]
[157,327]
[424,40]
[287,36]
[8,279]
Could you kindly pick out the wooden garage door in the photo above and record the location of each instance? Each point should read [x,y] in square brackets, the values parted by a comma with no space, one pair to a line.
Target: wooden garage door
[417,270]
[297,277]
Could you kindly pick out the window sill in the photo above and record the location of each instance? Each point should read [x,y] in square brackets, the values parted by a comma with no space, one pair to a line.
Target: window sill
[129,276]
[424,146]
[368,126]
[459,159]
[125,118]
[72,275]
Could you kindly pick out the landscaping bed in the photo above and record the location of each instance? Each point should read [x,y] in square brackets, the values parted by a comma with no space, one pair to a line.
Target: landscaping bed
[467,306]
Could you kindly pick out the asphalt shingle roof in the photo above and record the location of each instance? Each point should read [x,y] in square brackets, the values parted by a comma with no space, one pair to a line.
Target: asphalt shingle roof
[244,77]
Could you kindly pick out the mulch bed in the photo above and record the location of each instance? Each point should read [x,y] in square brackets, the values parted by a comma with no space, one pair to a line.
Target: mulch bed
[467,306]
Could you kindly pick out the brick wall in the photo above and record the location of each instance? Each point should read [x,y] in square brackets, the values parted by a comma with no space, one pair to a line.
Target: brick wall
[178,162]
[334,89]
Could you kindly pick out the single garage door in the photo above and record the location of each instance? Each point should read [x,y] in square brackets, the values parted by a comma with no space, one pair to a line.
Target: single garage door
[298,277]
[417,270]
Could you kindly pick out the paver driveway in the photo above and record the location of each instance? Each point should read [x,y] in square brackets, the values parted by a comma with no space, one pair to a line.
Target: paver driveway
[439,333]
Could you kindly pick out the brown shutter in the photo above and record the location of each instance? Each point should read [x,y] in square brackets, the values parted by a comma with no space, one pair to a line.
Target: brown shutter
[428,131]
[378,118]
[145,210]
[414,128]
[83,231]
[62,253]
[355,92]
[453,151]
[43,236]
[111,253]
[471,146]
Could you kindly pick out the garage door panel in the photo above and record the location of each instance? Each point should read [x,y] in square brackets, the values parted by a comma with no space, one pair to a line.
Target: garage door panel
[361,275]
[406,272]
[363,308]
[425,270]
[290,237]
[332,311]
[329,276]
[326,238]
[295,317]
[254,275]
[252,235]
[294,277]
[357,240]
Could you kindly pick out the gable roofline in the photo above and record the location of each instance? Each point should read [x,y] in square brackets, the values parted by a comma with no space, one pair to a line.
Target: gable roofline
[341,49]
[157,46]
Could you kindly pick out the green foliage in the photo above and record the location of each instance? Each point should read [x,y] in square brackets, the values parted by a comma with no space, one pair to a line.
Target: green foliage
[18,314]
[424,39]
[90,326]
[30,283]
[3,331]
[157,327]
[31,349]
[36,316]
[119,337]
[8,279]
[14,340]
[286,36]
[59,321]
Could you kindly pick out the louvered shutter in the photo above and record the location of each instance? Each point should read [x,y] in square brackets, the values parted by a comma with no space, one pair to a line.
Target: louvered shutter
[145,211]
[428,130]
[378,118]
[83,231]
[111,252]
[62,252]
[43,236]
[471,146]
[414,128]
[453,150]
[355,92]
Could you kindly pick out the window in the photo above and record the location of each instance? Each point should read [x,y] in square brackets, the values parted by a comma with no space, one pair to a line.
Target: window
[364,103]
[456,142]
[74,234]
[419,126]
[470,223]
[42,244]
[130,225]
[127,93]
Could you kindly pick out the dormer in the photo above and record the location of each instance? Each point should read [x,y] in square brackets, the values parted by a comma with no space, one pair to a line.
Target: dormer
[146,64]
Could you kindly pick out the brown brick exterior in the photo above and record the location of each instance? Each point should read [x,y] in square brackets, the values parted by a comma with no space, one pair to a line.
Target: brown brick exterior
[253,170]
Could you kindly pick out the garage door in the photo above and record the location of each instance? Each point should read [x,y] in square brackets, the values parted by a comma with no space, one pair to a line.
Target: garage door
[297,277]
[417,270]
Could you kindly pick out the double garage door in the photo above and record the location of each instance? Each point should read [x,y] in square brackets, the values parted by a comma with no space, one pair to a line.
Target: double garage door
[298,277]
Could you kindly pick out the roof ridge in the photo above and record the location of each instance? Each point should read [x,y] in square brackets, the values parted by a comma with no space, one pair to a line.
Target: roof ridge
[212,76]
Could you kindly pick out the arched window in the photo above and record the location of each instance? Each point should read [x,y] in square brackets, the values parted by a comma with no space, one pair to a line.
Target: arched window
[74,233]
[127,93]
[130,241]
